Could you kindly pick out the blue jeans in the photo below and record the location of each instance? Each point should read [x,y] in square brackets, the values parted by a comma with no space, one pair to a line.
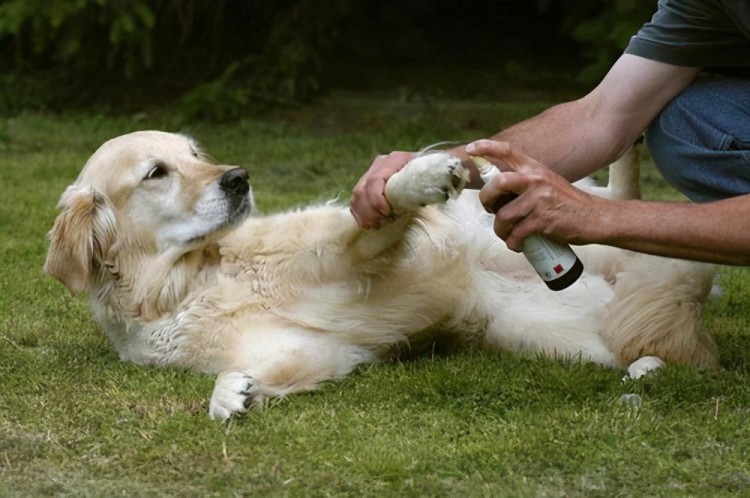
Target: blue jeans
[701,140]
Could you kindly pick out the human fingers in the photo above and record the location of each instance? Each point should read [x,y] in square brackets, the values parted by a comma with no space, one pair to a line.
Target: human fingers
[553,208]
[504,155]
[516,232]
[369,205]
[501,197]
[501,189]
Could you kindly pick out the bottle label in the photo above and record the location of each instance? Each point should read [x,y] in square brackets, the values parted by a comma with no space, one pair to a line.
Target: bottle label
[550,259]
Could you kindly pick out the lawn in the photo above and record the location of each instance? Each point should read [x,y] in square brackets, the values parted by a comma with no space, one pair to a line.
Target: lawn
[74,420]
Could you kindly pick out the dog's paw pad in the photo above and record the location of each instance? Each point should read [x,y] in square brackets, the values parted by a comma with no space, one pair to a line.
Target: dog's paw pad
[429,179]
[644,366]
[234,392]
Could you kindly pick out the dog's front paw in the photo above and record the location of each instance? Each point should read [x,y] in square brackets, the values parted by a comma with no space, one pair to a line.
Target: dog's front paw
[429,179]
[233,393]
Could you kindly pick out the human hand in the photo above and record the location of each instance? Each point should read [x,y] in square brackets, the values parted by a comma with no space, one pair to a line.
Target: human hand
[547,203]
[369,205]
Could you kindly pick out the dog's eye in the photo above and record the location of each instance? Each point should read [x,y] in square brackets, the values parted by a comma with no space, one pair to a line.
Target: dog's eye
[158,171]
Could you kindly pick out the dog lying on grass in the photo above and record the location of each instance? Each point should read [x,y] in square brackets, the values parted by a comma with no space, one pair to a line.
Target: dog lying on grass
[180,272]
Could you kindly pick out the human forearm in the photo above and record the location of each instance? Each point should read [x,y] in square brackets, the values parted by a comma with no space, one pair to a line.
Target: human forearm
[717,232]
[576,138]
[571,151]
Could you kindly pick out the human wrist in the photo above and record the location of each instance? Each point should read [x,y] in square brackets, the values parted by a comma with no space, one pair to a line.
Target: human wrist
[607,224]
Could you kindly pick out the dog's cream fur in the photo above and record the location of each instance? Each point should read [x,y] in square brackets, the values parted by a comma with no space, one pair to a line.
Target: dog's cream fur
[180,273]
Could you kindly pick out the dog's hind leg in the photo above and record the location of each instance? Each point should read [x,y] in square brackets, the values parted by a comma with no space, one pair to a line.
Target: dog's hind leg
[644,366]
[657,311]
[534,320]
[624,178]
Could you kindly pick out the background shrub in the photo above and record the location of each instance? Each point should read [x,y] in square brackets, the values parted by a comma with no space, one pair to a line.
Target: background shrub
[220,58]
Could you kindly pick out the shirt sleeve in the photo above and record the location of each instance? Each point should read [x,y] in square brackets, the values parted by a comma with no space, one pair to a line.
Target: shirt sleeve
[697,33]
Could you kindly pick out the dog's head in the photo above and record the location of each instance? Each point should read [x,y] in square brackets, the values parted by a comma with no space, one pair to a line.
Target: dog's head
[149,192]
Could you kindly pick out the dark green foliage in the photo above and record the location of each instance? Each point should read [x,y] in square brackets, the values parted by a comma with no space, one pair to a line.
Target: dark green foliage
[604,28]
[223,59]
[67,46]
[134,52]
[287,71]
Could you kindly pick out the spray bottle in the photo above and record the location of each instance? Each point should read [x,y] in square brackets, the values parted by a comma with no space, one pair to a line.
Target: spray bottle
[556,263]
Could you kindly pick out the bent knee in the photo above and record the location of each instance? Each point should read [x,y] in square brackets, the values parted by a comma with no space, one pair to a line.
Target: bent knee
[700,141]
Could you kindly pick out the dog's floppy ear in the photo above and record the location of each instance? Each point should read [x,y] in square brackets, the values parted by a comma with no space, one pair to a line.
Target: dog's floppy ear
[82,235]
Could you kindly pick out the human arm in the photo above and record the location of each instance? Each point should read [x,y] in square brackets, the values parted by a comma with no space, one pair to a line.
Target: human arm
[716,232]
[576,138]
[573,138]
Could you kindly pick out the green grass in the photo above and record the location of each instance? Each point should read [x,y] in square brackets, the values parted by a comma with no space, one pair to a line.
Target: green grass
[74,420]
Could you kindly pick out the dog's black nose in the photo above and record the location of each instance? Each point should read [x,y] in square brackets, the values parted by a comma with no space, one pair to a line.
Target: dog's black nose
[234,182]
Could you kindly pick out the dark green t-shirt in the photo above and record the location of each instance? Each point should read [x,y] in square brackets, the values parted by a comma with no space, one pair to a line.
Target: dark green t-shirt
[699,33]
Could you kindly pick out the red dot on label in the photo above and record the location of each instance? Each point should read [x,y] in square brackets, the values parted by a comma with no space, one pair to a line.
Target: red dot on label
[558,269]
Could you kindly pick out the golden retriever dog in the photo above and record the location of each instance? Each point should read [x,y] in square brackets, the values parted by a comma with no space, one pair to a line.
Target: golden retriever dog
[181,272]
